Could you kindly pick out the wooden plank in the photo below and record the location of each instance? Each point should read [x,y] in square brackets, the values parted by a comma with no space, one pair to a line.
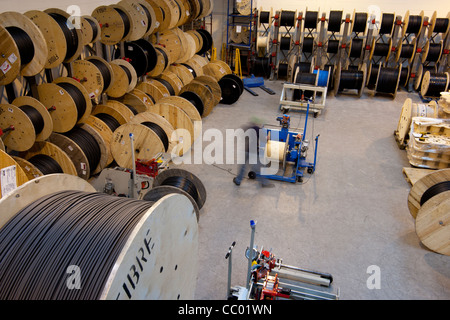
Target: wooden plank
[414,174]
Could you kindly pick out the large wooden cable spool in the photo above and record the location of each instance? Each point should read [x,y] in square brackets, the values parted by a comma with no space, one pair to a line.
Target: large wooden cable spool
[434,83]
[108,227]
[30,170]
[186,106]
[422,69]
[26,27]
[180,121]
[128,111]
[17,175]
[90,30]
[433,223]
[213,85]
[73,35]
[422,185]
[146,144]
[154,89]
[139,18]
[158,120]
[50,157]
[115,23]
[197,39]
[120,116]
[54,36]
[182,72]
[103,129]
[171,41]
[95,74]
[9,58]
[162,61]
[138,99]
[171,81]
[125,78]
[350,79]
[142,55]
[194,67]
[207,41]
[204,93]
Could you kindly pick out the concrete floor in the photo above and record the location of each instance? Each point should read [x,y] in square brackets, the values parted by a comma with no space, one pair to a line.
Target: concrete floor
[350,214]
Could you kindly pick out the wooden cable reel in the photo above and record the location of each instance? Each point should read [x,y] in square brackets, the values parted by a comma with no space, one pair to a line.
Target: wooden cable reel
[142,55]
[170,140]
[434,83]
[186,106]
[168,225]
[9,58]
[162,61]
[412,23]
[115,23]
[204,93]
[182,72]
[12,61]
[30,170]
[139,19]
[90,30]
[125,78]
[180,121]
[138,99]
[146,144]
[172,81]
[171,41]
[103,129]
[95,74]
[52,159]
[357,79]
[276,150]
[7,161]
[119,114]
[24,123]
[428,204]
[400,49]
[213,85]
[54,37]
[154,89]
[73,36]
[123,109]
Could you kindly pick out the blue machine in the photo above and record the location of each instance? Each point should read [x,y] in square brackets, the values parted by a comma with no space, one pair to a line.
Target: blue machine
[296,149]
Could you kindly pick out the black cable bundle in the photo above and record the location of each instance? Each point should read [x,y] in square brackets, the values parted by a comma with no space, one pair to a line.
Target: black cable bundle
[387,80]
[373,75]
[150,53]
[191,70]
[335,21]
[109,120]
[195,99]
[387,23]
[105,72]
[45,164]
[88,144]
[304,78]
[35,117]
[434,52]
[311,18]
[132,109]
[24,44]
[149,17]
[333,46]
[351,79]
[93,27]
[285,43]
[436,84]
[70,33]
[167,85]
[126,22]
[261,67]
[441,25]
[308,44]
[356,48]
[283,70]
[77,96]
[414,24]
[434,190]
[287,18]
[408,50]
[404,76]
[88,230]
[128,73]
[159,132]
[264,17]
[381,49]
[183,184]
[360,22]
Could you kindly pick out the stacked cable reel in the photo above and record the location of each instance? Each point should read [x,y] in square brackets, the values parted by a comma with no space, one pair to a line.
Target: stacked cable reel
[286,22]
[428,203]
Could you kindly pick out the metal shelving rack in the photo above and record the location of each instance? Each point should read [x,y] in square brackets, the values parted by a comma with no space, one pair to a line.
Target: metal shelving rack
[236,19]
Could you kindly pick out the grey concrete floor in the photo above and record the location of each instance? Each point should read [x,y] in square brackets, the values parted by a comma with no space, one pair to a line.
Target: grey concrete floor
[349,215]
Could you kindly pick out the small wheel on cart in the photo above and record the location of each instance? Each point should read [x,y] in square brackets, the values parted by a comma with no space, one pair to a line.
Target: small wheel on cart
[299,179]
[310,170]
[316,114]
[252,175]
